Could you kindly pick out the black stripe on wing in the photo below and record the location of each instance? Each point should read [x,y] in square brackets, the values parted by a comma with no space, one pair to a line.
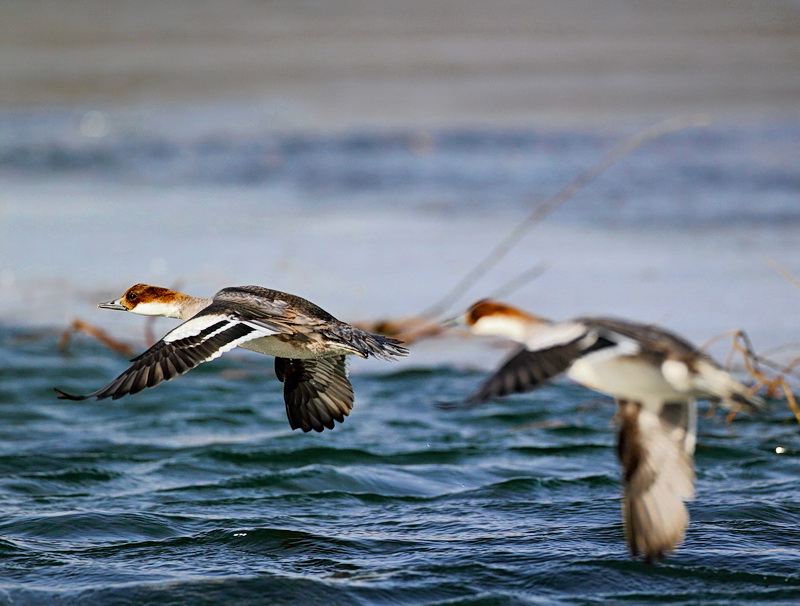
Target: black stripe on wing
[317,391]
[165,361]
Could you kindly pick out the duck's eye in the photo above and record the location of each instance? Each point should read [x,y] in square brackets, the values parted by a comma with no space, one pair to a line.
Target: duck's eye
[131,296]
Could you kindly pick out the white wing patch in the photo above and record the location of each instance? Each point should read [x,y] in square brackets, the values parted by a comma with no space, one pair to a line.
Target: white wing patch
[625,346]
[231,344]
[196,325]
[553,335]
[204,327]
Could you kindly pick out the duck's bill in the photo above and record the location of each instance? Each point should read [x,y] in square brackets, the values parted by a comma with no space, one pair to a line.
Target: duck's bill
[113,305]
[454,322]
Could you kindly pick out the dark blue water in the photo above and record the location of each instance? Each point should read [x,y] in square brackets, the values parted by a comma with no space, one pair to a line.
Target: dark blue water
[197,492]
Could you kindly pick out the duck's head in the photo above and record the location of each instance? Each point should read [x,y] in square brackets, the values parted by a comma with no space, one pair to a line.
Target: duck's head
[148,300]
[493,318]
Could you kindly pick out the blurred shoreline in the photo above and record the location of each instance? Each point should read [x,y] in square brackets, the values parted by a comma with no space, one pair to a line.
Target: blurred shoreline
[361,63]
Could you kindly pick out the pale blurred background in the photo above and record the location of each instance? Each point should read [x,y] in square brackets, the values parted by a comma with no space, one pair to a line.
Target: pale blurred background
[367,154]
[353,63]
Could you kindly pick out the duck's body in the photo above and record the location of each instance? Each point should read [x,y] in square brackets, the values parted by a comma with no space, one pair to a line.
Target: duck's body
[308,343]
[656,377]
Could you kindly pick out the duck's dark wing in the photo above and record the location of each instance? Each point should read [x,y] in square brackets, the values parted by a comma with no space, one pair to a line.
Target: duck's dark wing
[317,392]
[524,371]
[539,361]
[658,475]
[204,337]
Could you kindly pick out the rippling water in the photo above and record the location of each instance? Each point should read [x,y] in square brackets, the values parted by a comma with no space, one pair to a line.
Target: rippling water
[198,492]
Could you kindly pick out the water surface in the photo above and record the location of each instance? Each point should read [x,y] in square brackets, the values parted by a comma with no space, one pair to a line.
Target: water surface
[198,492]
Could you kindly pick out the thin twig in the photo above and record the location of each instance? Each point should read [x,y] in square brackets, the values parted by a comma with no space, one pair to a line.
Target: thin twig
[783,271]
[526,276]
[98,334]
[547,206]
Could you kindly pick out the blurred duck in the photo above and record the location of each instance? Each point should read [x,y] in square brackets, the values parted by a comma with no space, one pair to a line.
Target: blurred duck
[656,377]
[308,343]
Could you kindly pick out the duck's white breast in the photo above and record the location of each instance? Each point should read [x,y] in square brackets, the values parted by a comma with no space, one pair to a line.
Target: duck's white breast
[629,378]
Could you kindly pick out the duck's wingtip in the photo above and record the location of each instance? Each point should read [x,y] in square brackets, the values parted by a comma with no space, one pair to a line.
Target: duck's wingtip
[62,395]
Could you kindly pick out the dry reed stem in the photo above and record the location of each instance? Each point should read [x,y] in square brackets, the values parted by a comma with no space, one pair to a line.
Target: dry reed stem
[753,363]
[783,271]
[98,334]
[408,330]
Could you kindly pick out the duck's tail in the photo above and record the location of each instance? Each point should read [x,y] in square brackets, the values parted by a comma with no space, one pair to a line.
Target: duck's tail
[366,344]
[382,347]
[720,384]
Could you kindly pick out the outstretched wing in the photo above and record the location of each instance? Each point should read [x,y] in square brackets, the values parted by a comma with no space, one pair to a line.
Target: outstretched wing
[204,337]
[524,371]
[552,353]
[317,392]
[656,456]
